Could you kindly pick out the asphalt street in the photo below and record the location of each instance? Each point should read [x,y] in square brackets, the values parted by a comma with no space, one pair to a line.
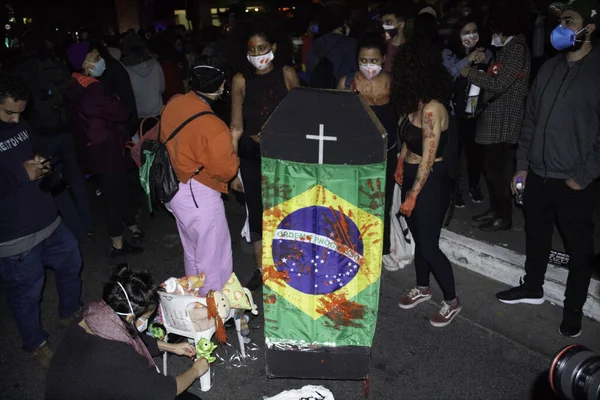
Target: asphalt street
[491,351]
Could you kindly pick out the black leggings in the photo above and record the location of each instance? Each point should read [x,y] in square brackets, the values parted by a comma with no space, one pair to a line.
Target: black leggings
[251,177]
[425,224]
[473,151]
[120,201]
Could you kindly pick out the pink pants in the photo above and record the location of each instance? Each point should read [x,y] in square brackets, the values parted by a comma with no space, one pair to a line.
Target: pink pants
[204,233]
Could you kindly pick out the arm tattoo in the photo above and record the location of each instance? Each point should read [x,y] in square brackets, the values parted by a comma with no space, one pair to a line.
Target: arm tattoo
[429,124]
[431,139]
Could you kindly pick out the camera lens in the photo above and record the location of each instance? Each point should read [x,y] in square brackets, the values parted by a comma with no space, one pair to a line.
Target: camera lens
[575,373]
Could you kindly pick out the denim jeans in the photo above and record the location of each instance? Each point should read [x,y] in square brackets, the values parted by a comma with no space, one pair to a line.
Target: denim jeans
[73,203]
[23,276]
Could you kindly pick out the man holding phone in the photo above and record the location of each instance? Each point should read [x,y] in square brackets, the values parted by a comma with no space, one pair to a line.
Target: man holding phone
[32,235]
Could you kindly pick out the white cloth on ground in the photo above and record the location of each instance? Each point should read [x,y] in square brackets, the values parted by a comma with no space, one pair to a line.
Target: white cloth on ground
[309,392]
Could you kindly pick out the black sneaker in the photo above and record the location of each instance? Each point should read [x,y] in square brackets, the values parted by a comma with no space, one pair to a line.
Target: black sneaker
[571,323]
[476,195]
[125,251]
[256,281]
[521,294]
[459,202]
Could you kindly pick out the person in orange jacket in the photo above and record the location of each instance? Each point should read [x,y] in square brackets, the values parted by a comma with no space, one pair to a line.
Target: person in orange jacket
[204,161]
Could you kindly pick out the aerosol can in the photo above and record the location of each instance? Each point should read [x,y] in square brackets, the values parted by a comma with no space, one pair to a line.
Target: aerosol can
[520,188]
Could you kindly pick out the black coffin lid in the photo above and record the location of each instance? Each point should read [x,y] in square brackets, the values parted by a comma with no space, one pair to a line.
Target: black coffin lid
[360,137]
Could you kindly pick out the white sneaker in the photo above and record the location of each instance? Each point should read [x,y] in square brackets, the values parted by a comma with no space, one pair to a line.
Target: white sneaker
[389,263]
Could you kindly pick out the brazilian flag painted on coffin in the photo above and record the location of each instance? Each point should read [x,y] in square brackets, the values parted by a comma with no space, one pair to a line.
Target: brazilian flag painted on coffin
[323,183]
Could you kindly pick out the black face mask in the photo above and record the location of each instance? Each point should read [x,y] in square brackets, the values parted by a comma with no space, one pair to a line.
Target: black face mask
[579,42]
[389,34]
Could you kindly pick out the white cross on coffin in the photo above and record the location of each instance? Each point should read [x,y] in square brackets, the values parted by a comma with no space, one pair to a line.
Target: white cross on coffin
[321,138]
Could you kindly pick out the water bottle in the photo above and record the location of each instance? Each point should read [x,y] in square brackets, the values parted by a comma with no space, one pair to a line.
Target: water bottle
[520,188]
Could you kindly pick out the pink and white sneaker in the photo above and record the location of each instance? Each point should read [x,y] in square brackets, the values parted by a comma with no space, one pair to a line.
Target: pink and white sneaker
[446,314]
[414,297]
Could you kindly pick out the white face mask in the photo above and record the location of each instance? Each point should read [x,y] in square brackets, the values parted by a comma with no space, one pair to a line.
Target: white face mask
[497,40]
[98,68]
[470,40]
[388,27]
[262,62]
[144,325]
[219,92]
[370,71]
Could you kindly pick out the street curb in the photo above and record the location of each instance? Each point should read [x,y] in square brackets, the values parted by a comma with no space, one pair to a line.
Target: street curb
[506,266]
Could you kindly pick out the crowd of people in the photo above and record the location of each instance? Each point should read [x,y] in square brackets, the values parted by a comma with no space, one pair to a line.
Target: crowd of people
[439,86]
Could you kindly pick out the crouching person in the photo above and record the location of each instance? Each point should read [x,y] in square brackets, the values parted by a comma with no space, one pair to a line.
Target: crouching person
[106,356]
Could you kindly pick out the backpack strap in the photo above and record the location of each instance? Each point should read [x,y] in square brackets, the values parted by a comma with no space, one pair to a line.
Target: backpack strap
[349,81]
[187,121]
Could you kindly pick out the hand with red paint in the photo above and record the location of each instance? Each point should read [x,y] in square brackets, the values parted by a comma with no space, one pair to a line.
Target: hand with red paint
[409,204]
[399,174]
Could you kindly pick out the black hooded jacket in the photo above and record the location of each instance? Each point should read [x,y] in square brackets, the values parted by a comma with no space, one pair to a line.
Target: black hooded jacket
[560,135]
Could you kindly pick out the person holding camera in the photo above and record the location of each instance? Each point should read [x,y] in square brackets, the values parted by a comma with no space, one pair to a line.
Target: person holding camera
[106,355]
[32,235]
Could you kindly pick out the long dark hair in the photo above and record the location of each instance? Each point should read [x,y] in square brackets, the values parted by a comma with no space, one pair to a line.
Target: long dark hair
[419,76]
[267,26]
[140,288]
[455,42]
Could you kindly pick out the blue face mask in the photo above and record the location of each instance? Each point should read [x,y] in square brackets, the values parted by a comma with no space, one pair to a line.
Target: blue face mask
[563,38]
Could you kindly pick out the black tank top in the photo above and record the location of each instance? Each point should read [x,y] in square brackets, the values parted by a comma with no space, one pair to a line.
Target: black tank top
[413,137]
[263,95]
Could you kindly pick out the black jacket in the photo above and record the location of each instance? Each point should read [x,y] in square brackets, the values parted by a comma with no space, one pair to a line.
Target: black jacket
[25,208]
[116,79]
[560,135]
[88,367]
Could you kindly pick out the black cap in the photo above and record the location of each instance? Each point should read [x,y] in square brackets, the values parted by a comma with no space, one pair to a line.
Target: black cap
[588,9]
[207,75]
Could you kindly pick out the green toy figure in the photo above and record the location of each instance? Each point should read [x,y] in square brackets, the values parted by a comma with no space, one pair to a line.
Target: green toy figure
[204,348]
[157,331]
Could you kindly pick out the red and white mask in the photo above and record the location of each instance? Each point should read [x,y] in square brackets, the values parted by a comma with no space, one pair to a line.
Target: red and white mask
[262,62]
[370,71]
